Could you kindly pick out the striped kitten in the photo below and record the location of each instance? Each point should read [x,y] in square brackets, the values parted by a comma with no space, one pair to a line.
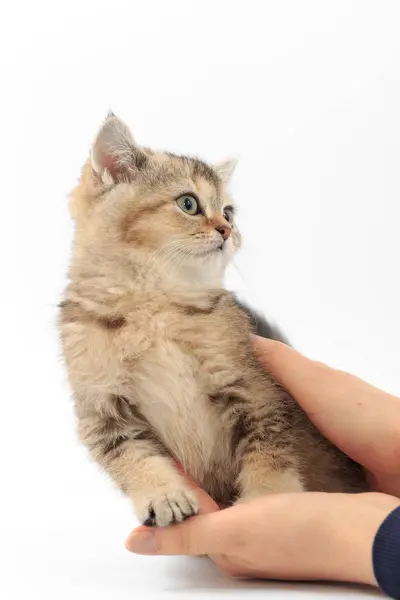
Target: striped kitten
[159,354]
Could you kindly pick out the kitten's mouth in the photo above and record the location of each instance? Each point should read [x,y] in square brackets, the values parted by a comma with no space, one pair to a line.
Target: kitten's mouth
[212,250]
[209,249]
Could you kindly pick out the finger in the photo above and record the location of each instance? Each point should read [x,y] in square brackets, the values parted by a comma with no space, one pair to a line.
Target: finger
[361,420]
[388,483]
[197,536]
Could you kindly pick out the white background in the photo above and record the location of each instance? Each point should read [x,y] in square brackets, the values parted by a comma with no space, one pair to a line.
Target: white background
[308,94]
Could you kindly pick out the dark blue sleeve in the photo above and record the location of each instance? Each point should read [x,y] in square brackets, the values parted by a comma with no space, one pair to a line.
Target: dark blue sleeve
[386,555]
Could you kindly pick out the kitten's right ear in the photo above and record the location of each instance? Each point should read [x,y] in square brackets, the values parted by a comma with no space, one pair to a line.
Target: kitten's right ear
[115,156]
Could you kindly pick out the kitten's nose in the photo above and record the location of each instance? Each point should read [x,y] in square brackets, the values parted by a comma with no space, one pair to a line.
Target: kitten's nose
[224,230]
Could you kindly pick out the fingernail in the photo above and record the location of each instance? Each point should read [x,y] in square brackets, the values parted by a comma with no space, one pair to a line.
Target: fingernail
[142,542]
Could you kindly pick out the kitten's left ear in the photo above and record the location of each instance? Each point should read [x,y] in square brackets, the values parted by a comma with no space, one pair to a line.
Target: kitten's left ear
[115,153]
[226,168]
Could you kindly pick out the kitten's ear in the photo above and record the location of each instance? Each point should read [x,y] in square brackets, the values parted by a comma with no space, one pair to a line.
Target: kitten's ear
[114,152]
[226,168]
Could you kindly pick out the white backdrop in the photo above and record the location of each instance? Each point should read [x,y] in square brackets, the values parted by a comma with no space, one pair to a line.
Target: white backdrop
[308,94]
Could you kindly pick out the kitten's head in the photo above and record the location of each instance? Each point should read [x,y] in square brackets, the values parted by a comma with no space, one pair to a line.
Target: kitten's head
[166,211]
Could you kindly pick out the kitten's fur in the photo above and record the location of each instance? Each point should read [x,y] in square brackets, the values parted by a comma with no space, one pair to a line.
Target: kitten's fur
[159,354]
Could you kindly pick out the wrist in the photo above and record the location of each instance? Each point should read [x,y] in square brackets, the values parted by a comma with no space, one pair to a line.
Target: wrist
[349,533]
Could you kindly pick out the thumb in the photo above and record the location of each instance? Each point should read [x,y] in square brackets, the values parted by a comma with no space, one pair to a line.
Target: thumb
[197,536]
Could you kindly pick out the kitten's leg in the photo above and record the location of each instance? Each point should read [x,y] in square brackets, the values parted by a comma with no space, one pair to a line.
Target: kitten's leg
[139,464]
[268,462]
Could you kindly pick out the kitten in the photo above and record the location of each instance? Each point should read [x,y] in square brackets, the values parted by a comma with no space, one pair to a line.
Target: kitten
[159,355]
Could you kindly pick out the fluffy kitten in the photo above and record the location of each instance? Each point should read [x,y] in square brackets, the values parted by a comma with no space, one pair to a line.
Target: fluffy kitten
[159,354]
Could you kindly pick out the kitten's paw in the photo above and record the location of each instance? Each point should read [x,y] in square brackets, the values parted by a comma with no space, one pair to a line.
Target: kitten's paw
[166,507]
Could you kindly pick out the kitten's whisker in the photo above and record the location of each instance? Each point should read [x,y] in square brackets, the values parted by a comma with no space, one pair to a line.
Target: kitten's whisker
[168,257]
[152,258]
[233,263]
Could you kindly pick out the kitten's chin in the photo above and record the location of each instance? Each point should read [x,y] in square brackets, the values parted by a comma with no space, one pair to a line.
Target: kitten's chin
[206,270]
[210,271]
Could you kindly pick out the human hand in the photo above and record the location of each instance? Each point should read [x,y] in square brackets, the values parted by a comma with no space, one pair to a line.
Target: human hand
[361,420]
[306,536]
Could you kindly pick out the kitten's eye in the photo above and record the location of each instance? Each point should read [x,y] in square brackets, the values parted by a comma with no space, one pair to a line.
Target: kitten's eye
[228,215]
[188,204]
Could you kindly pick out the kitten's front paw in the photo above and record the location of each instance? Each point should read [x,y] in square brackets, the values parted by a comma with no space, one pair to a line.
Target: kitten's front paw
[165,507]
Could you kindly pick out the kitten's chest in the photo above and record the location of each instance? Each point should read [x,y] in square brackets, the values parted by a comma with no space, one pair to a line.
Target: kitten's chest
[172,398]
